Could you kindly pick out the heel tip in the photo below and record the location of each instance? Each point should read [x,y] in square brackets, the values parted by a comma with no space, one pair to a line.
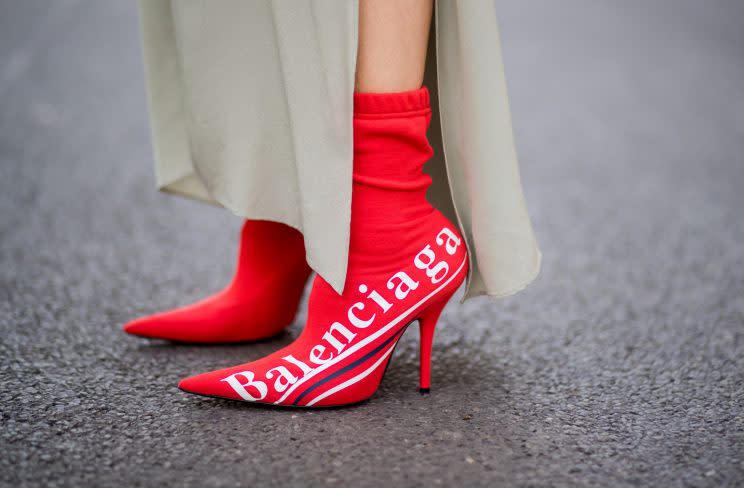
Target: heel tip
[424,391]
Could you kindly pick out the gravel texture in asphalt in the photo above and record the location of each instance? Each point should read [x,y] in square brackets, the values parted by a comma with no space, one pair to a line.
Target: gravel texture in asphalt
[623,364]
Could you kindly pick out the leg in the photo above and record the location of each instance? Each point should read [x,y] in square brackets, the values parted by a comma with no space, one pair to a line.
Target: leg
[393,35]
[406,259]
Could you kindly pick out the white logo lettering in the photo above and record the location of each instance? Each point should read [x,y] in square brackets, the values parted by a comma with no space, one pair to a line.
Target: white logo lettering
[436,273]
[284,379]
[453,242]
[405,284]
[241,388]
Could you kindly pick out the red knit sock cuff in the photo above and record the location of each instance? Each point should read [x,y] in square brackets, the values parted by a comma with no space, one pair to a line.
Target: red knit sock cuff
[391,103]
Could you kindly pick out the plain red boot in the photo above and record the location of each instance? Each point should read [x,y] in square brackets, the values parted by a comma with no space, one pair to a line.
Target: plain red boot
[405,262]
[260,301]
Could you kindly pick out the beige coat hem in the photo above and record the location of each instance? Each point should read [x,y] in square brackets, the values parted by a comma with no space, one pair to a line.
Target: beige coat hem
[251,109]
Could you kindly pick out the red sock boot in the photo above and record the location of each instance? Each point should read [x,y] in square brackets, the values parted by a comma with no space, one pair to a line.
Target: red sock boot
[405,262]
[260,301]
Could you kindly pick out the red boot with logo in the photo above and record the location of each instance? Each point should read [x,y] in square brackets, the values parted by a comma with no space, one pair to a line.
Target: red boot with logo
[406,260]
[260,301]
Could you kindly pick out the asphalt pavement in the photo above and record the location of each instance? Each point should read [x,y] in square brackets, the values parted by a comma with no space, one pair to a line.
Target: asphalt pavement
[622,365]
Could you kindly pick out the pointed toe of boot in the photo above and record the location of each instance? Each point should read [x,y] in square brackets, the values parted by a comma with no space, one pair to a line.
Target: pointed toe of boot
[142,327]
[210,384]
[169,326]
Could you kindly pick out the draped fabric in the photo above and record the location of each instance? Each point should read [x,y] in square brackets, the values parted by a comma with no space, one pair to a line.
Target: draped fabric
[251,108]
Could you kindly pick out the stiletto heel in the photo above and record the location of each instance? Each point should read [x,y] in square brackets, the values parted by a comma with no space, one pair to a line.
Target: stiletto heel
[427,324]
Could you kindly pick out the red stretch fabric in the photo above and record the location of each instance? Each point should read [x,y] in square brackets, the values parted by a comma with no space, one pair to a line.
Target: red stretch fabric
[260,301]
[405,261]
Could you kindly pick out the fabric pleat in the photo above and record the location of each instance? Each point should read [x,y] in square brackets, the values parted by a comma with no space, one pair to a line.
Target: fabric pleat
[251,108]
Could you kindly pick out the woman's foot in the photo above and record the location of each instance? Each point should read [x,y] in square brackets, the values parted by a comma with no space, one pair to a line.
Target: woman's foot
[260,301]
[405,262]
